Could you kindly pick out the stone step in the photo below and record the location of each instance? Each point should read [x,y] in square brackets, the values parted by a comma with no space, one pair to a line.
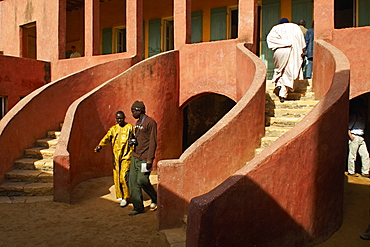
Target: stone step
[34,164]
[26,189]
[267,140]
[295,96]
[298,113]
[47,142]
[284,121]
[275,131]
[54,134]
[299,104]
[40,152]
[30,176]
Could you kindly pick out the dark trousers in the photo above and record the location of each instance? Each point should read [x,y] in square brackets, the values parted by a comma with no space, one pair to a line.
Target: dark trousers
[139,180]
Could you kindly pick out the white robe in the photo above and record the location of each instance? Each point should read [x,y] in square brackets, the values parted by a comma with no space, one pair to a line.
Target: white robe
[287,42]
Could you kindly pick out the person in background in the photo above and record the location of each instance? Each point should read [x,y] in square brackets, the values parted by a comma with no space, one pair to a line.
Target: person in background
[309,51]
[74,53]
[287,42]
[356,142]
[118,135]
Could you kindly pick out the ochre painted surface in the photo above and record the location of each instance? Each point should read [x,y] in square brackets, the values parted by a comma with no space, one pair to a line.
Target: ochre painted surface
[293,190]
[21,76]
[219,152]
[45,108]
[208,67]
[153,81]
[357,51]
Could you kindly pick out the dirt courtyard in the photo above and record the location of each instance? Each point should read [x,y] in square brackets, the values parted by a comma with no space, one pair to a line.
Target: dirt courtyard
[95,219]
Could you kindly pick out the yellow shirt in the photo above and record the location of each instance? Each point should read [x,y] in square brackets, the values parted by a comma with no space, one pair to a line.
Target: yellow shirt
[119,136]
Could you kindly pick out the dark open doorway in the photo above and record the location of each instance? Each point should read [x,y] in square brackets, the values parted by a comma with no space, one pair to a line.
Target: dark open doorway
[202,113]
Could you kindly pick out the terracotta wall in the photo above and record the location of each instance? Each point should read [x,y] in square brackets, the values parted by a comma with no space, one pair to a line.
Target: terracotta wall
[293,190]
[357,51]
[154,81]
[21,76]
[21,12]
[46,108]
[351,41]
[219,152]
[208,67]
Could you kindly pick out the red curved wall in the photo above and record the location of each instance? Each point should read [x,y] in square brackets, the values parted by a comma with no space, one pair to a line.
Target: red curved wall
[219,152]
[154,81]
[45,108]
[292,193]
[208,67]
[357,51]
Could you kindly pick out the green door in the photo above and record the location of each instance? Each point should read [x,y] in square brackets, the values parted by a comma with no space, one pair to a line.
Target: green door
[107,41]
[218,23]
[154,46]
[302,10]
[196,26]
[270,17]
[363,13]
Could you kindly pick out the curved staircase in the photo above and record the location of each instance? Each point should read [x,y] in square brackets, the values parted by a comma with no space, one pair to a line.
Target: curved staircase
[33,174]
[280,118]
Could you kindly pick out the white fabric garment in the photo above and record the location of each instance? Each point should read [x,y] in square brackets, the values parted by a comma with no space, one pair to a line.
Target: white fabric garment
[287,42]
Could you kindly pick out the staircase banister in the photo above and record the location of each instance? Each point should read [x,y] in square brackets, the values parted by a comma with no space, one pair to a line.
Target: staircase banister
[45,108]
[296,183]
[211,158]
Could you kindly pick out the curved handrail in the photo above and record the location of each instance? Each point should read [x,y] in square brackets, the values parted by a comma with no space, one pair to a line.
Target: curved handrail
[219,152]
[296,183]
[45,108]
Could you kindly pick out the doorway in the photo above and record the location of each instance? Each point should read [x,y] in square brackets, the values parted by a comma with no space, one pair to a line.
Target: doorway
[29,41]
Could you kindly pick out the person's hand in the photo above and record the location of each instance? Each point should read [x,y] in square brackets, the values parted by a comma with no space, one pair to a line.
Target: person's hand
[149,166]
[97,149]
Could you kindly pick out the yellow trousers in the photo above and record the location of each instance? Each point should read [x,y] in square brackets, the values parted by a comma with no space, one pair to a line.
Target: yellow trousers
[120,178]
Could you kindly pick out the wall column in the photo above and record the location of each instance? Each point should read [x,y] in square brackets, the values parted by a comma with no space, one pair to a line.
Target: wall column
[134,27]
[182,22]
[62,28]
[323,14]
[247,21]
[92,32]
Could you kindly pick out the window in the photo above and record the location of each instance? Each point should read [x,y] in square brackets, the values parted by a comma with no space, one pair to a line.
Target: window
[233,32]
[168,42]
[120,39]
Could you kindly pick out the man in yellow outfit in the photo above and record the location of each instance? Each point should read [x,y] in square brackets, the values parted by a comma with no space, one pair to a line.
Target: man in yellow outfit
[119,135]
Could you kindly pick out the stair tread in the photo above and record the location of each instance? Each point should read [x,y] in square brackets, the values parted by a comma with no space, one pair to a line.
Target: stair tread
[32,160]
[21,185]
[29,173]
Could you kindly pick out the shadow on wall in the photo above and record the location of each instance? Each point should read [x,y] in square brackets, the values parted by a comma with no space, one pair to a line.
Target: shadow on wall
[251,229]
[295,183]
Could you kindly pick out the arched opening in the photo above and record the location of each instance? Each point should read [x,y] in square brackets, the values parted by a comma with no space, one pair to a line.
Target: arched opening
[201,114]
[359,112]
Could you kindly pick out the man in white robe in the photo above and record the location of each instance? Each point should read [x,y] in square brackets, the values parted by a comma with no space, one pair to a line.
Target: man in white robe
[287,42]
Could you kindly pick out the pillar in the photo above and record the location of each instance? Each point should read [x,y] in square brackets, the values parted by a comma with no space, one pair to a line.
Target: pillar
[92,34]
[323,16]
[248,21]
[134,27]
[182,22]
[62,28]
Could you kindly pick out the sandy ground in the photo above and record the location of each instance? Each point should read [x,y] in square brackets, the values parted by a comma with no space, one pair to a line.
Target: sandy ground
[95,219]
